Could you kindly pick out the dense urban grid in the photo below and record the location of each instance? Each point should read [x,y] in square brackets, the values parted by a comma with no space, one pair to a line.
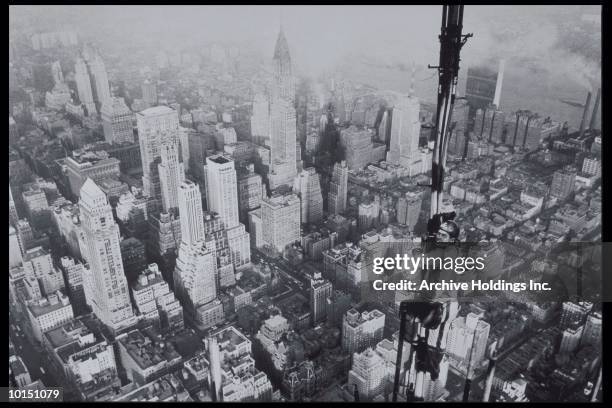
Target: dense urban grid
[197,227]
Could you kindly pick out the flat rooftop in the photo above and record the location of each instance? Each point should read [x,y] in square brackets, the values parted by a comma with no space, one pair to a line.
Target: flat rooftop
[156,111]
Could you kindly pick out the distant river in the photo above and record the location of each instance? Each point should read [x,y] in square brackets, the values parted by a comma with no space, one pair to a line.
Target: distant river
[523,88]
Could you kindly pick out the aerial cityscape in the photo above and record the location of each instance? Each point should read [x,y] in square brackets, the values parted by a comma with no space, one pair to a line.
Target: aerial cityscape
[202,201]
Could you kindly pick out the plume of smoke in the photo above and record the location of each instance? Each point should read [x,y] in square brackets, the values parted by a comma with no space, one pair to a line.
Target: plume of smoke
[561,43]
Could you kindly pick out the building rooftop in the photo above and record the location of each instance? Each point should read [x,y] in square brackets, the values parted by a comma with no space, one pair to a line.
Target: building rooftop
[53,303]
[17,366]
[147,351]
[156,111]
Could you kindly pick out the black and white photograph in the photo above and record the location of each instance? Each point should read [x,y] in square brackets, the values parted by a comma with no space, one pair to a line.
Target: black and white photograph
[306,203]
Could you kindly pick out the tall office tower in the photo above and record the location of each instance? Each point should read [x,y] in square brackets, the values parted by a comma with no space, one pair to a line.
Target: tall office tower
[432,390]
[195,276]
[516,127]
[239,240]
[13,216]
[308,186]
[590,165]
[81,77]
[149,92]
[15,257]
[280,216]
[408,209]
[191,213]
[196,266]
[106,285]
[338,189]
[540,130]
[283,151]
[222,197]
[497,125]
[368,214]
[25,234]
[284,83]
[215,382]
[592,330]
[117,121]
[573,312]
[249,191]
[214,230]
[171,174]
[73,275]
[320,290]
[480,88]
[357,145]
[457,144]
[467,342]
[570,339]
[260,120]
[405,131]
[100,79]
[563,182]
[362,330]
[56,71]
[155,126]
[336,305]
[371,373]
[222,188]
[489,124]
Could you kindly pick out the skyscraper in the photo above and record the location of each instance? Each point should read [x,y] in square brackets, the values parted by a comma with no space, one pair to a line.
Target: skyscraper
[260,119]
[405,131]
[467,341]
[107,289]
[408,209]
[56,71]
[457,144]
[563,182]
[362,330]
[480,87]
[320,290]
[371,373]
[149,92]
[195,279]
[155,126]
[171,174]
[221,188]
[249,191]
[190,210]
[214,378]
[100,80]
[117,121]
[338,188]
[13,217]
[81,77]
[15,257]
[308,186]
[283,134]
[284,83]
[280,215]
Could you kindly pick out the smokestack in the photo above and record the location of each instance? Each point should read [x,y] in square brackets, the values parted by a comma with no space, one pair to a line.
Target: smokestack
[584,114]
[595,109]
[498,84]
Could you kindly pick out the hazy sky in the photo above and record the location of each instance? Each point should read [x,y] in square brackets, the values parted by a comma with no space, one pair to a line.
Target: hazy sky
[320,36]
